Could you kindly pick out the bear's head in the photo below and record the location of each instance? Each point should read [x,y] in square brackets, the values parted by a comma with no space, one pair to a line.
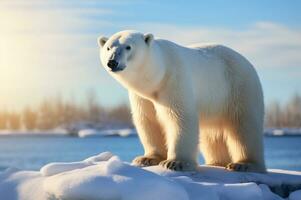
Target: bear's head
[124,52]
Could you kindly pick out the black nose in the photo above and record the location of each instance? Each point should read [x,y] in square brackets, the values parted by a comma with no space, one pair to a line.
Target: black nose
[112,64]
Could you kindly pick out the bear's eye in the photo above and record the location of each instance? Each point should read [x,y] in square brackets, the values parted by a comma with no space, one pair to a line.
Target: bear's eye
[108,48]
[128,48]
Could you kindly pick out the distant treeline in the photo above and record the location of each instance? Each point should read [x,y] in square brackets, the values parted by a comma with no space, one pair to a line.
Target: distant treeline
[56,112]
[286,115]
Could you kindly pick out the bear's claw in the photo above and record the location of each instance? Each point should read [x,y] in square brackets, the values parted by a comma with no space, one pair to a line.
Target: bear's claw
[246,167]
[177,165]
[239,167]
[144,161]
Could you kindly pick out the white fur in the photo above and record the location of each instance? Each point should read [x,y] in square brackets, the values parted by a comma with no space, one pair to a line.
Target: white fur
[182,94]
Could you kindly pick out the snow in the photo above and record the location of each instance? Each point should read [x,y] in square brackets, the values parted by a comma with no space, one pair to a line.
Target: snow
[105,176]
[82,133]
[84,130]
[111,132]
[282,131]
[56,132]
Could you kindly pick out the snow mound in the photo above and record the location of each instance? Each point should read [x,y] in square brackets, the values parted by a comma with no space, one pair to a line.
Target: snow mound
[105,176]
[282,131]
[56,168]
[97,133]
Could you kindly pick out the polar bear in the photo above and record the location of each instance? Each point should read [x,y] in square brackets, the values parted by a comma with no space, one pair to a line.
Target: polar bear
[183,98]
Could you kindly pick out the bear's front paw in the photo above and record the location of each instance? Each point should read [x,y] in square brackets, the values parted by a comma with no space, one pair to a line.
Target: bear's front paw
[144,161]
[245,167]
[178,165]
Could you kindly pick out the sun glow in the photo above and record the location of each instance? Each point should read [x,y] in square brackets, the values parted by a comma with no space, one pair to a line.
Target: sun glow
[38,53]
[18,55]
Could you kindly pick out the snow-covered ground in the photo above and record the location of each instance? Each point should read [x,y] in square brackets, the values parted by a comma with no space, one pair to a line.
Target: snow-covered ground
[106,177]
[90,132]
[86,131]
[56,132]
[112,132]
[82,133]
[282,131]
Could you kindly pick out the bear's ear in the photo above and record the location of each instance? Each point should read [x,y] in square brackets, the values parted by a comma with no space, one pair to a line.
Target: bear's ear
[102,40]
[148,38]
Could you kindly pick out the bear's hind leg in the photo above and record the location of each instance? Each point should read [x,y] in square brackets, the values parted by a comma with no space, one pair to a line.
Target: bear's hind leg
[246,148]
[214,148]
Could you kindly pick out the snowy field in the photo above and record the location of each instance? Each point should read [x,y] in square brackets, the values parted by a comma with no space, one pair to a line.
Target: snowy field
[84,132]
[111,132]
[106,177]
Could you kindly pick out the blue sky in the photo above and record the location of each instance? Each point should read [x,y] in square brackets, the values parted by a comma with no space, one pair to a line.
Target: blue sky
[49,47]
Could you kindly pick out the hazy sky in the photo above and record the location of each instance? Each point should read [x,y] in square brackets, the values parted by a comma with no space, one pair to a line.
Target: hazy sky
[48,47]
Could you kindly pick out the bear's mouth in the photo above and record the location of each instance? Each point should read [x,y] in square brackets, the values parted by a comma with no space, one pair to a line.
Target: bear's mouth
[117,69]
